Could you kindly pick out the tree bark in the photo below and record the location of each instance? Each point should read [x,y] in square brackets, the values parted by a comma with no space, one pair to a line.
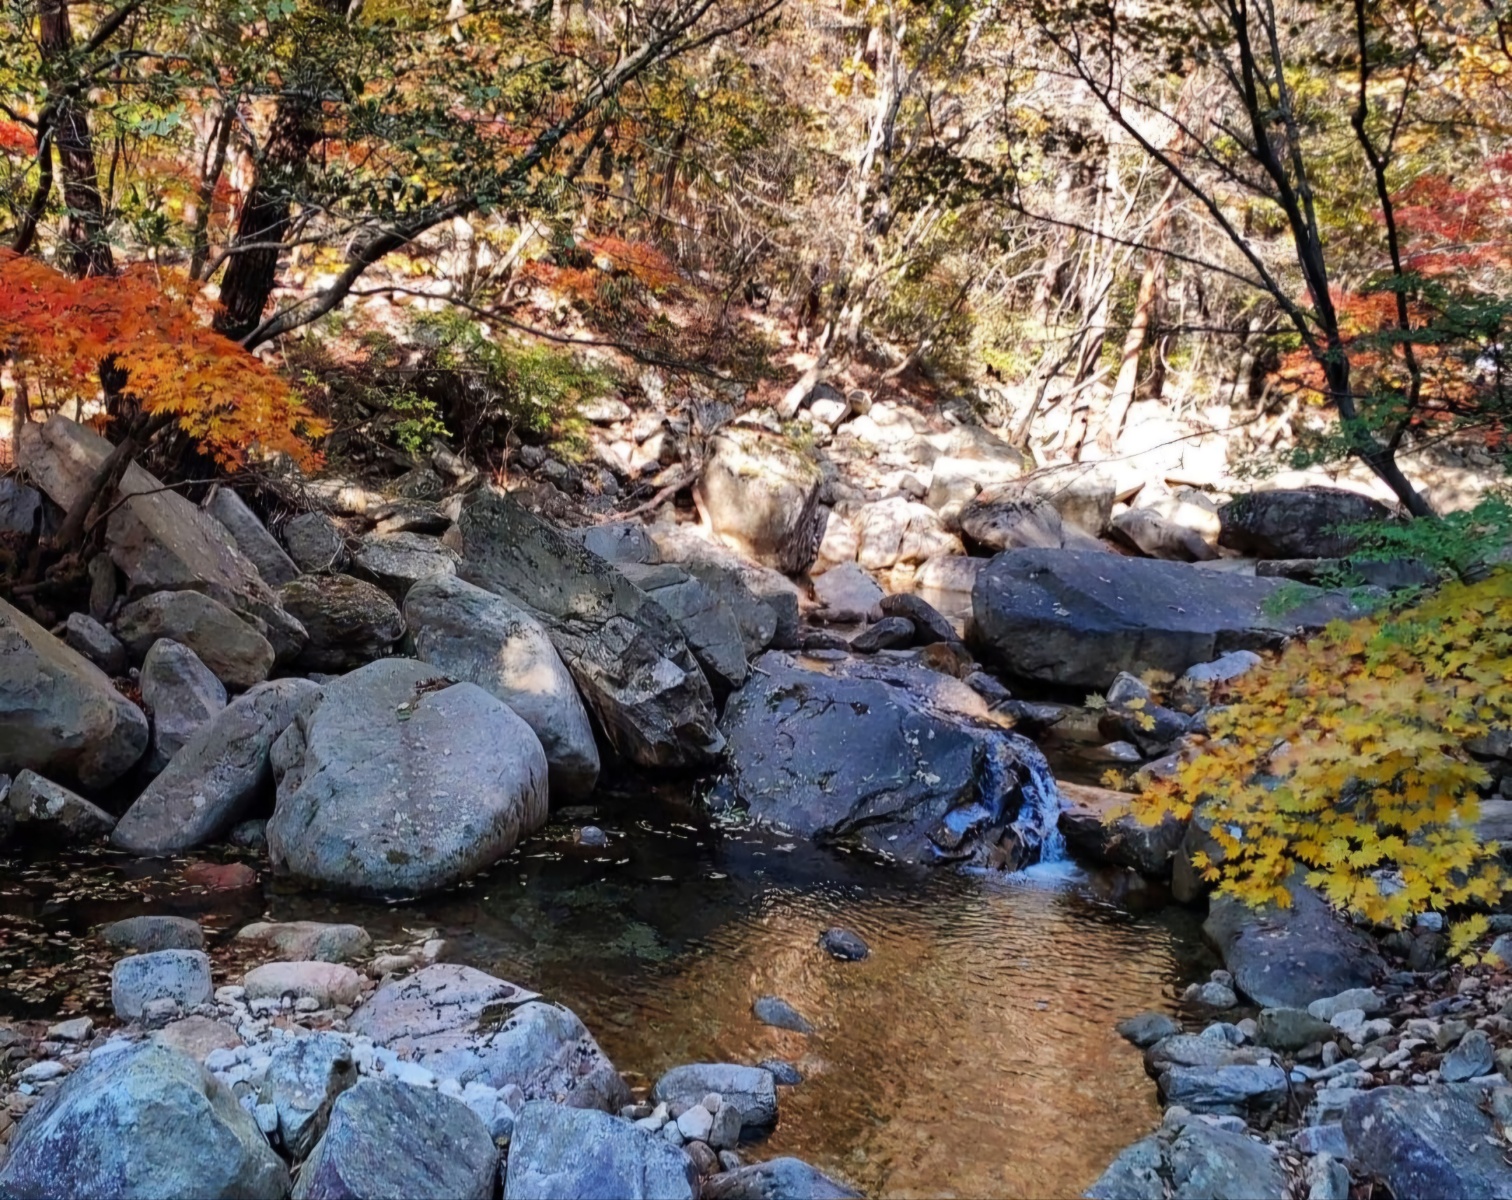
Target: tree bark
[89,250]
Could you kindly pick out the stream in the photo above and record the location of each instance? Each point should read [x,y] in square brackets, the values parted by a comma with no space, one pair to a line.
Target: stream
[972,1054]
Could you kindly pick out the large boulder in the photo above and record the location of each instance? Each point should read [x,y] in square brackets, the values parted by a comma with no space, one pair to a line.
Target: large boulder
[484,638]
[388,1139]
[59,713]
[400,782]
[765,602]
[1096,823]
[56,810]
[212,781]
[397,561]
[182,694]
[141,1123]
[1297,522]
[349,621]
[902,759]
[237,653]
[1079,618]
[630,661]
[182,976]
[1428,1142]
[559,1153]
[1289,957]
[20,508]
[1197,1161]
[996,522]
[466,1025]
[708,625]
[761,495]
[251,536]
[315,543]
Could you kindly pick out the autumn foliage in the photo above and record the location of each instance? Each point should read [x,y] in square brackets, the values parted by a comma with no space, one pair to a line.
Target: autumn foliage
[60,332]
[1347,758]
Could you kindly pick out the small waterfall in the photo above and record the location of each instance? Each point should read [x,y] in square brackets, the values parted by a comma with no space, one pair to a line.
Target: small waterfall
[1038,821]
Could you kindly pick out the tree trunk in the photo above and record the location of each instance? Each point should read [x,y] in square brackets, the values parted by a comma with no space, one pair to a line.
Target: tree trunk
[89,251]
[1134,340]
[212,166]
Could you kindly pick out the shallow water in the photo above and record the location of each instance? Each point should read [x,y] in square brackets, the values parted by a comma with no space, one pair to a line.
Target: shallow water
[972,1054]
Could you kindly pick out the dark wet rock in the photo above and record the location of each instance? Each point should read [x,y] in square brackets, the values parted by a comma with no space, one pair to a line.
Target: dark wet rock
[561,1153]
[96,643]
[1235,1088]
[59,713]
[182,976]
[1287,958]
[777,1179]
[462,1023]
[844,945]
[761,494]
[777,1012]
[309,941]
[304,1078]
[249,835]
[1394,574]
[890,633]
[487,639]
[1079,618]
[1197,686]
[1147,1028]
[182,694]
[52,809]
[630,661]
[900,758]
[706,622]
[389,1140]
[751,1090]
[930,625]
[782,1072]
[251,537]
[764,601]
[1090,827]
[1197,1162]
[399,782]
[236,652]
[1133,715]
[20,508]
[142,1122]
[398,561]
[1296,522]
[1290,1029]
[316,543]
[350,622]
[148,933]
[1430,1142]
[214,779]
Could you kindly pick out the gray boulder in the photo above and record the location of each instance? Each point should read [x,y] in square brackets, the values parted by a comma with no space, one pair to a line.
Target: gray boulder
[1428,1142]
[752,1091]
[1089,824]
[304,1077]
[237,653]
[995,521]
[464,1024]
[1291,1029]
[59,713]
[51,807]
[183,696]
[148,933]
[251,537]
[182,976]
[349,621]
[212,781]
[629,659]
[1197,1162]
[315,543]
[1147,1028]
[389,1140]
[1235,1088]
[1079,618]
[142,1123]
[20,508]
[309,941]
[397,561]
[765,602]
[777,1179]
[1160,537]
[484,638]
[1297,522]
[96,643]
[761,495]
[400,782]
[902,759]
[1194,1050]
[708,625]
[559,1153]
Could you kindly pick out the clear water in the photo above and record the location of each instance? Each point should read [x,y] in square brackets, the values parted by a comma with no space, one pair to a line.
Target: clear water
[973,1054]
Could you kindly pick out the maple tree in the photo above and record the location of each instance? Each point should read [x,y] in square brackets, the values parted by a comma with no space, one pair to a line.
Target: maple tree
[1346,758]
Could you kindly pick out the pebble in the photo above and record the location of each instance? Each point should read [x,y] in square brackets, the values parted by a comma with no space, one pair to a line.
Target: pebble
[1367,1000]
[777,1012]
[672,1134]
[1211,995]
[696,1124]
[42,1072]
[730,1161]
[844,945]
[592,835]
[77,1030]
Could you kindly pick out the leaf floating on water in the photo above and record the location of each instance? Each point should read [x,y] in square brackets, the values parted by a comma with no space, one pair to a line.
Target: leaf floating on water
[661,879]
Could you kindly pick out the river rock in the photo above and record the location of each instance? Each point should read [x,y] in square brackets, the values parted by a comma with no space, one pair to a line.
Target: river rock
[1290,1029]
[618,542]
[752,1091]
[50,806]
[1158,537]
[309,941]
[210,783]
[183,695]
[304,1077]
[999,522]
[143,1122]
[1080,496]
[560,1153]
[1198,684]
[59,713]
[238,654]
[930,625]
[761,495]
[464,1024]
[1123,840]
[844,945]
[778,1013]
[900,531]
[400,782]
[96,643]
[1432,1141]
[954,482]
[1296,522]
[1198,1162]
[847,593]
[148,933]
[484,638]
[1232,1088]
[777,1179]
[398,561]
[900,758]
[765,602]
[20,508]
[629,659]
[1473,1057]
[1147,1028]
[1079,618]
[182,976]
[251,536]
[316,544]
[709,627]
[350,622]
[390,1140]
[1287,958]
[1194,1050]
[328,984]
